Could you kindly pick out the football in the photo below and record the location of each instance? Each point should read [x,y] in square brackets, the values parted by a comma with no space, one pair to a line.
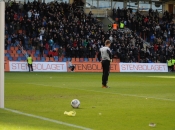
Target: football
[75,103]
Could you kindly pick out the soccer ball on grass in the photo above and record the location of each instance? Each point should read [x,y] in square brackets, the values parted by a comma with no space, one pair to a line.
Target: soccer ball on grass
[75,103]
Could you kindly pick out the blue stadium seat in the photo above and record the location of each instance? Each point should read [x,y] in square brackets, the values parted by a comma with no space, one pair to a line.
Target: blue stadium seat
[46,52]
[19,59]
[86,59]
[18,51]
[64,59]
[37,52]
[69,58]
[8,47]
[7,54]
[56,59]
[23,58]
[35,55]
[10,58]
[43,59]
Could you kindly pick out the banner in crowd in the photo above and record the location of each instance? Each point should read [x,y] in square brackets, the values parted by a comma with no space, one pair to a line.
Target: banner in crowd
[39,66]
[85,67]
[93,67]
[143,67]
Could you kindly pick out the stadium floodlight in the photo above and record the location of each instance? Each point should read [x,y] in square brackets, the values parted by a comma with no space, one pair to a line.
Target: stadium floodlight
[2,31]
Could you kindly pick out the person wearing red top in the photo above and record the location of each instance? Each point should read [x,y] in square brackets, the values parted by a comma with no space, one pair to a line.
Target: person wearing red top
[146,19]
[47,46]
[75,43]
[155,47]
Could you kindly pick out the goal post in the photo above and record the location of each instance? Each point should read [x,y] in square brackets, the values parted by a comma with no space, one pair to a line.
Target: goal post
[2,32]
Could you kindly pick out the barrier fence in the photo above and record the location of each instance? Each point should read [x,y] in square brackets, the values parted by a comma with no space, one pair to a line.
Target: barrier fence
[11,66]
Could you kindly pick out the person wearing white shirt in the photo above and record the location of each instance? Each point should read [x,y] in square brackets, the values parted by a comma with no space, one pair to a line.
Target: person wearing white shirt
[105,57]
[71,66]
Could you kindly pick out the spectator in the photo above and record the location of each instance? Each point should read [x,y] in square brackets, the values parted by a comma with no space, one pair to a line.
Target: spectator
[41,50]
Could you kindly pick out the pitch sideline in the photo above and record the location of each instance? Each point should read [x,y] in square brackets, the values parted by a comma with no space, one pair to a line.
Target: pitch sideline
[47,119]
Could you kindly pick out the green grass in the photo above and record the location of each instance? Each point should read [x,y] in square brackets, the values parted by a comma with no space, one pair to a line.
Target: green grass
[133,101]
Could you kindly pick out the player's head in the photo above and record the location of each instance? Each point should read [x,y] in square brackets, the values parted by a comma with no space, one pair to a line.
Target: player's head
[29,55]
[107,43]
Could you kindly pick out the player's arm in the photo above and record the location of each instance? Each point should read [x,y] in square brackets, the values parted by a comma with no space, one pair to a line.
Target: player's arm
[110,55]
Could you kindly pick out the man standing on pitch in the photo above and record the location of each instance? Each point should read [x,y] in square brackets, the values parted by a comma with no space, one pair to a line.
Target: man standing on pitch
[29,61]
[105,57]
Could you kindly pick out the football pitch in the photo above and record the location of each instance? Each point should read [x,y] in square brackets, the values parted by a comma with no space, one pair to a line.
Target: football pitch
[37,101]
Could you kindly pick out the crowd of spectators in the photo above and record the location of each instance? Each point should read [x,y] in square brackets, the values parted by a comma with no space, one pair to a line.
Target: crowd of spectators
[158,32]
[62,28]
[56,27]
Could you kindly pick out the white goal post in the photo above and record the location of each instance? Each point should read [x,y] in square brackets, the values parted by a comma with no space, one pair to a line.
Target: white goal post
[2,36]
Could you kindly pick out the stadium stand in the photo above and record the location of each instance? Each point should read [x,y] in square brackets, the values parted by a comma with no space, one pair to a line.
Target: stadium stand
[67,32]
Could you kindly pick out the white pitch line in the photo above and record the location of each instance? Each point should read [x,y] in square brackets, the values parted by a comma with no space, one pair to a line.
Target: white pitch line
[165,99]
[47,119]
[167,77]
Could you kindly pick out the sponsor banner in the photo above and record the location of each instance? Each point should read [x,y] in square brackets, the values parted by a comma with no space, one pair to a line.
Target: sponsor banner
[143,67]
[93,67]
[39,66]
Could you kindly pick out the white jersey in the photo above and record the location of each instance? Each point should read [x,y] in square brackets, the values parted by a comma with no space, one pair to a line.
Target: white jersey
[105,53]
[70,64]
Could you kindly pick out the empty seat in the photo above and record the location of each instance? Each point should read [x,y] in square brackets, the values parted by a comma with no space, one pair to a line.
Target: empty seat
[37,52]
[56,59]
[68,58]
[90,60]
[38,59]
[33,51]
[35,55]
[43,59]
[16,55]
[12,48]
[94,59]
[21,55]
[8,47]
[46,52]
[47,59]
[64,59]
[97,59]
[73,59]
[19,59]
[12,55]
[5,58]
[10,58]
[118,60]
[7,54]
[9,51]
[86,59]
[34,59]
[23,58]
[29,51]
[81,59]
[14,58]
[51,59]
[77,59]
[16,48]
[60,59]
